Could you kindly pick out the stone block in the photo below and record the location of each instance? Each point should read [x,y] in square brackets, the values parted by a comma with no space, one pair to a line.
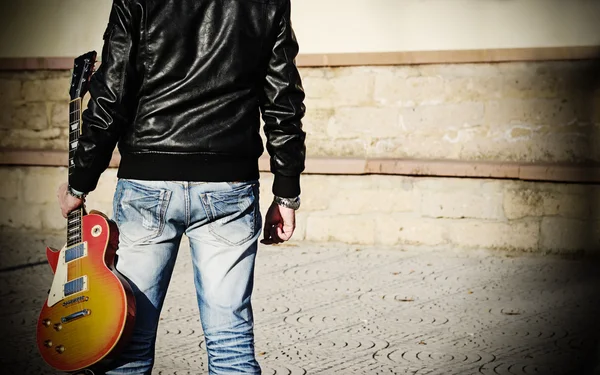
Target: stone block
[315,72]
[318,92]
[528,203]
[396,89]
[59,117]
[536,202]
[47,139]
[316,121]
[357,201]
[318,191]
[571,235]
[340,87]
[353,229]
[10,91]
[52,219]
[473,88]
[462,204]
[538,80]
[352,87]
[6,116]
[520,235]
[523,114]
[443,184]
[20,215]
[364,122]
[103,207]
[40,184]
[356,147]
[384,182]
[420,145]
[9,182]
[438,119]
[300,231]
[410,230]
[32,116]
[47,89]
[484,70]
[105,190]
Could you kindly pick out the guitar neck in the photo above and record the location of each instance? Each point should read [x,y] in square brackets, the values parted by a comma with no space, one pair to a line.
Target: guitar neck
[74,235]
[74,218]
[74,130]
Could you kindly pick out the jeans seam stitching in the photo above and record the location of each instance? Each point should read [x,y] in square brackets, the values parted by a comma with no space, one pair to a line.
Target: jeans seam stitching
[166,199]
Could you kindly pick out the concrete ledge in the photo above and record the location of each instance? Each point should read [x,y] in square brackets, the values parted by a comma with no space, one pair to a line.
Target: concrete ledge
[450,56]
[443,168]
[356,166]
[378,58]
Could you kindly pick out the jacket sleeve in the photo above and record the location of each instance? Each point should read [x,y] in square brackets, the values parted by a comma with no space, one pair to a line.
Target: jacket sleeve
[112,95]
[283,109]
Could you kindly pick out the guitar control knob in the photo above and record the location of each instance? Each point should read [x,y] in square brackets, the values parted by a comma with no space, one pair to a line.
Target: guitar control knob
[58,326]
[48,343]
[46,322]
[60,349]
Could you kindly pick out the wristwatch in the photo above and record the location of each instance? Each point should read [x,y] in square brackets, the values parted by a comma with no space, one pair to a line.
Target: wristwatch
[293,203]
[75,193]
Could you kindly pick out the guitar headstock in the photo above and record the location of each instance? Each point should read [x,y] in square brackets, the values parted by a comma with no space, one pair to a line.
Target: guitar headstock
[82,72]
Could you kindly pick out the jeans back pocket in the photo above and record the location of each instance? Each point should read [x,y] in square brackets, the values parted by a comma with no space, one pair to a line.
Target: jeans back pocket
[233,214]
[140,211]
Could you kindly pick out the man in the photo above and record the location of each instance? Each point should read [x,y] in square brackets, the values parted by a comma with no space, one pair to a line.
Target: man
[180,89]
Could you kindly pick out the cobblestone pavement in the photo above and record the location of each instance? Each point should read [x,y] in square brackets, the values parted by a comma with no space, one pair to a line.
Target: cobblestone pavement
[334,309]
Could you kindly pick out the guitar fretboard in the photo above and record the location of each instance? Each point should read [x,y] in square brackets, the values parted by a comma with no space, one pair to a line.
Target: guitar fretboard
[74,122]
[74,218]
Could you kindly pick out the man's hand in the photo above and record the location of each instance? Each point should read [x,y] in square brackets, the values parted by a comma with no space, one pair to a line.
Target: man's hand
[66,201]
[280,223]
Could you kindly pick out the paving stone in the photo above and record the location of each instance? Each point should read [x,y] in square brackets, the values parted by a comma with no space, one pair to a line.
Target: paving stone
[327,308]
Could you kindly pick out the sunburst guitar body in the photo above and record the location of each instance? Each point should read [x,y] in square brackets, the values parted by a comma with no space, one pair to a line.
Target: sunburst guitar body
[88,310]
[89,314]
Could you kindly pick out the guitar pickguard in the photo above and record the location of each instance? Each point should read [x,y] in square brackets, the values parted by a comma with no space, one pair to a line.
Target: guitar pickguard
[61,274]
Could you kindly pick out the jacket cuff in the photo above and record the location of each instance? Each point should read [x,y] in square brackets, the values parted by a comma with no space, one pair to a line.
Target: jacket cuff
[286,187]
[82,182]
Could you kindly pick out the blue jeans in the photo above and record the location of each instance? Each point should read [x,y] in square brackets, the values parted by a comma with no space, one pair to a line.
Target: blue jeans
[222,221]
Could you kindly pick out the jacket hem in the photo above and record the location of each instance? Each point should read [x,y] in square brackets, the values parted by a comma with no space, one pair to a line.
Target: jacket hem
[187,167]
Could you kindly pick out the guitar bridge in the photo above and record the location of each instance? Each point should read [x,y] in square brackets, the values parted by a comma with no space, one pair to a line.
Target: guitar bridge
[77,315]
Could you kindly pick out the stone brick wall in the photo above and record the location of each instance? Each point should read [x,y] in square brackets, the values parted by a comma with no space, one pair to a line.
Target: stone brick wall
[34,110]
[511,111]
[546,111]
[388,210]
[526,112]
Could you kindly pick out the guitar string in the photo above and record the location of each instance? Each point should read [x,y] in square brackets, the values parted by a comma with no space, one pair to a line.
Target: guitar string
[76,236]
[89,286]
[80,211]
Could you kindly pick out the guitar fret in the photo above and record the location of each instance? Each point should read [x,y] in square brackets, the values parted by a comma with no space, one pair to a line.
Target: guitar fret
[74,227]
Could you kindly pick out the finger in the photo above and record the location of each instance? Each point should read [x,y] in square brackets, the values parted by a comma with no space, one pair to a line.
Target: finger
[283,234]
[274,237]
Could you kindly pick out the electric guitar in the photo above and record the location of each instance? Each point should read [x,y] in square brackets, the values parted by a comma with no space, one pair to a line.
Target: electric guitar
[89,314]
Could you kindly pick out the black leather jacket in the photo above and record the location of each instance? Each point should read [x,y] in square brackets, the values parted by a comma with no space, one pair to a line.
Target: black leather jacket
[181,86]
